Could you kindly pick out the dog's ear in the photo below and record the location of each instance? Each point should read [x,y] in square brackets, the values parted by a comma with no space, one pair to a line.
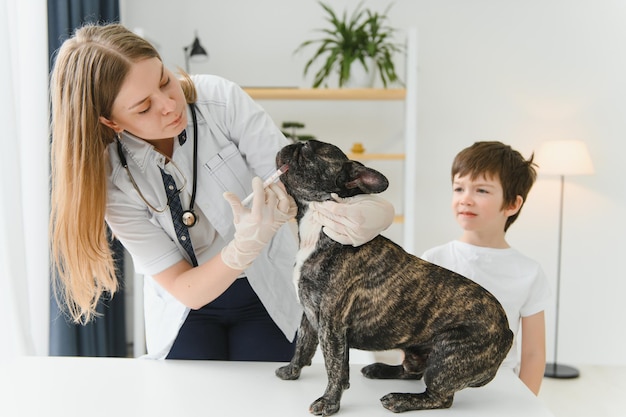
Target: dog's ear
[355,175]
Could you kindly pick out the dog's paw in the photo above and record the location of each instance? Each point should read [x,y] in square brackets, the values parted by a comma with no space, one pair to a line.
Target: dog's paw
[288,372]
[395,402]
[401,402]
[324,407]
[383,371]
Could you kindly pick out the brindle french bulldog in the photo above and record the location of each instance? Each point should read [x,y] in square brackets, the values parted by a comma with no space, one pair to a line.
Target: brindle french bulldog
[377,297]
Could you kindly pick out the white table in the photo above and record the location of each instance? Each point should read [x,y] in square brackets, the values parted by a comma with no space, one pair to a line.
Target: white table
[91,387]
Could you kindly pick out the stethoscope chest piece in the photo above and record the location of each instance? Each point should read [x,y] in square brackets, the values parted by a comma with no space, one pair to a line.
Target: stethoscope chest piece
[189,218]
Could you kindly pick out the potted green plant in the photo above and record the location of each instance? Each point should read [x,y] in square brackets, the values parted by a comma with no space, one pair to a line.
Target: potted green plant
[364,37]
[291,134]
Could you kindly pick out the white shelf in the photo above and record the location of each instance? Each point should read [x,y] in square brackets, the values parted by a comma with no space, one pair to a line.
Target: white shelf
[408,95]
[286,93]
[376,156]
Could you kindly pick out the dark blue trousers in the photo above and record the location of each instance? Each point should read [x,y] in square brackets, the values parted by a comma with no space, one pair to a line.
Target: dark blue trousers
[235,326]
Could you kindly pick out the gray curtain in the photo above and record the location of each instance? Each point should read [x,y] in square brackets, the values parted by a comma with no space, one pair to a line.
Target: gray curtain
[106,335]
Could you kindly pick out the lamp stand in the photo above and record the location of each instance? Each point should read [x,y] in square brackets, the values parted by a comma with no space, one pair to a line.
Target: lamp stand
[186,49]
[555,370]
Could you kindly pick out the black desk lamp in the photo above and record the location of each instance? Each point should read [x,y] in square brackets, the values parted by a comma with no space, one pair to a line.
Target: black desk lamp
[195,53]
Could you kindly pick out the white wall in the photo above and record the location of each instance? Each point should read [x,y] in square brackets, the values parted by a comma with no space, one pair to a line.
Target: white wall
[519,72]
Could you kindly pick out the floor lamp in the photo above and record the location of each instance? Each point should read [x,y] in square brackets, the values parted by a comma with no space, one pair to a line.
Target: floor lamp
[562,157]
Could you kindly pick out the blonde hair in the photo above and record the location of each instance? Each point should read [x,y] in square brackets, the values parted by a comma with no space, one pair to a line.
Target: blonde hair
[88,73]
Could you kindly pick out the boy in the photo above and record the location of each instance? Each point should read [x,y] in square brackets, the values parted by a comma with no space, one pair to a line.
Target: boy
[490,185]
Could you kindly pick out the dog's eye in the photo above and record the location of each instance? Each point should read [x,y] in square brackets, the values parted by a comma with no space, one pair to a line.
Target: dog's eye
[308,151]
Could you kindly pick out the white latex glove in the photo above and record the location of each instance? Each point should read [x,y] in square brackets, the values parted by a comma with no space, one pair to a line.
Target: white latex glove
[254,228]
[353,220]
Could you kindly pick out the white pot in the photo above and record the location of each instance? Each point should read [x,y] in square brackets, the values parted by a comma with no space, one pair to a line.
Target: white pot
[361,77]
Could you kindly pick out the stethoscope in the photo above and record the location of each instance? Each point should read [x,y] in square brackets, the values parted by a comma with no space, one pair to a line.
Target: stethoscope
[188,217]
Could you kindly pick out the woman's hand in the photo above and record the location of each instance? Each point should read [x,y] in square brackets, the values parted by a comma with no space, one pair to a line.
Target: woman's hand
[254,228]
[353,220]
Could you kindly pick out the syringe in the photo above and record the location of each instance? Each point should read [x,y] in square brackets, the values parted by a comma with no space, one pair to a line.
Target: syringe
[270,180]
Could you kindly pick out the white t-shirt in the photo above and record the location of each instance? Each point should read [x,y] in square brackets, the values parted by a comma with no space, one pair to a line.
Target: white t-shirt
[517,281]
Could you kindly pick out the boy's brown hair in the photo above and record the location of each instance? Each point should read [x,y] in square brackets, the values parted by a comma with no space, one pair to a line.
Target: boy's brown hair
[498,161]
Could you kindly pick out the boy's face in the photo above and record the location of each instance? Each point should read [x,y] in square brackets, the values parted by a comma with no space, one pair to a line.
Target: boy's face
[478,204]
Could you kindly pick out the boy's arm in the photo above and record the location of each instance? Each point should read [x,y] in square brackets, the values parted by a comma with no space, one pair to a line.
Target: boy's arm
[533,361]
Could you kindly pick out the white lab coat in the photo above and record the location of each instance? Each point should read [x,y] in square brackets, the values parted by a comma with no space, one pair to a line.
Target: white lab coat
[237,140]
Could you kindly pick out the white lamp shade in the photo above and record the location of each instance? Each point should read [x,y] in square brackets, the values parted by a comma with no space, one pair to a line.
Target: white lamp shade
[564,157]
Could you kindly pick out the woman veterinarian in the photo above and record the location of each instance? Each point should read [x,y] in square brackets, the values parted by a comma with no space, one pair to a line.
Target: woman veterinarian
[153,156]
